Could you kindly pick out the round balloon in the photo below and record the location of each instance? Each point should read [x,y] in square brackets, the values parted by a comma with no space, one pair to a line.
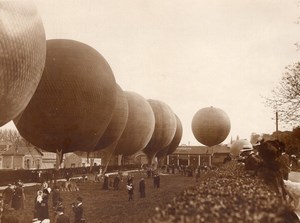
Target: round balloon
[165,128]
[117,123]
[174,143]
[237,147]
[74,101]
[22,56]
[139,127]
[211,126]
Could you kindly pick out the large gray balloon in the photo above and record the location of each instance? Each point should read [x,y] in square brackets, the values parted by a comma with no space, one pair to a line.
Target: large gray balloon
[165,128]
[139,126]
[117,123]
[74,101]
[169,149]
[22,56]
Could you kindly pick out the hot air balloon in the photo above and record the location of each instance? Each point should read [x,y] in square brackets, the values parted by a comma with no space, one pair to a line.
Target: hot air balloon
[174,143]
[139,126]
[240,145]
[22,56]
[210,126]
[74,101]
[117,123]
[164,131]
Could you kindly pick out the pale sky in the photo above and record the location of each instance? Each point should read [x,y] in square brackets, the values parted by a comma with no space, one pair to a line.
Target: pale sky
[188,54]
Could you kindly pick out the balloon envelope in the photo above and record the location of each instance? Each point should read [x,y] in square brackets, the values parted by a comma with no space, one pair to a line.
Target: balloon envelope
[74,101]
[174,143]
[22,56]
[211,126]
[117,123]
[165,128]
[139,126]
[237,147]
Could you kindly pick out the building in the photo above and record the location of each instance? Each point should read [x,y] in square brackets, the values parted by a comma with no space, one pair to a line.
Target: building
[198,155]
[23,157]
[80,159]
[4,146]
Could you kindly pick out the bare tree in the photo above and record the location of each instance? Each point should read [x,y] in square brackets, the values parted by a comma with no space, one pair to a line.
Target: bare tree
[285,98]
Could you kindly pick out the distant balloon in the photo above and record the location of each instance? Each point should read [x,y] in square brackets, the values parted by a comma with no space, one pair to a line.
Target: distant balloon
[211,126]
[165,128]
[169,149]
[139,126]
[237,147]
[22,56]
[74,101]
[117,123]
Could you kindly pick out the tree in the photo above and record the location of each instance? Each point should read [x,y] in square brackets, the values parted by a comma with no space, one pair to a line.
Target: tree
[285,98]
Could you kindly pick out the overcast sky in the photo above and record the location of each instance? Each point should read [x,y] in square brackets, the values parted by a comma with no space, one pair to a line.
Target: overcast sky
[188,54]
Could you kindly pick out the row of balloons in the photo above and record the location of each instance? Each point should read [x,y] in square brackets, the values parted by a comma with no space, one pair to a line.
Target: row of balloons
[63,97]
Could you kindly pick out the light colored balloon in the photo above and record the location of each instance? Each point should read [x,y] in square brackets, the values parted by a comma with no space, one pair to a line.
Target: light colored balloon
[237,147]
[22,56]
[211,126]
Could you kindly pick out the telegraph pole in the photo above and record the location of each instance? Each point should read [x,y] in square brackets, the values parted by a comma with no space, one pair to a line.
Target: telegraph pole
[276,125]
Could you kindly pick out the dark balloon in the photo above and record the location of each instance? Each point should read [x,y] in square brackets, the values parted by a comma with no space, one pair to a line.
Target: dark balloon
[117,123]
[139,126]
[174,143]
[211,126]
[164,131]
[22,56]
[74,101]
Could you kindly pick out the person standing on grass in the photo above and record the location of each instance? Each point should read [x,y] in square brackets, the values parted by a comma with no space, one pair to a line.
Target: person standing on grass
[142,188]
[130,190]
[55,196]
[105,182]
[78,211]
[116,182]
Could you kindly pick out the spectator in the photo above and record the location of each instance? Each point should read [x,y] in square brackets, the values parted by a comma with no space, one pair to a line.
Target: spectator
[116,182]
[130,190]
[78,210]
[105,182]
[55,196]
[18,197]
[142,188]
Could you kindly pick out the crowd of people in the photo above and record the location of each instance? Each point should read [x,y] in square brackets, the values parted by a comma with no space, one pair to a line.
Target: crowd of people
[229,194]
[13,198]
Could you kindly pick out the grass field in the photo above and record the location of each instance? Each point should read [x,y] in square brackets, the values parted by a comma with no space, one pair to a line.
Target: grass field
[105,206]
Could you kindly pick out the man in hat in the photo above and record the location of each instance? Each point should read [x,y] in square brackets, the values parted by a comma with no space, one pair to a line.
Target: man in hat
[142,188]
[78,210]
[61,217]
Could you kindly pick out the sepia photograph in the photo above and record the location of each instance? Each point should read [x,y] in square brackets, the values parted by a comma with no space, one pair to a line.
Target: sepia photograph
[149,111]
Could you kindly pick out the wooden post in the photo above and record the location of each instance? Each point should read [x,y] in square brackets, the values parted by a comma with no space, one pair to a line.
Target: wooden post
[276,125]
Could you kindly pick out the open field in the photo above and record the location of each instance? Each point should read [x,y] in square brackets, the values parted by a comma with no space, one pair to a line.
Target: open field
[113,206]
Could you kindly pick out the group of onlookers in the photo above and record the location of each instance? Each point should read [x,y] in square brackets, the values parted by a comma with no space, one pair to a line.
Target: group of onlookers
[13,199]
